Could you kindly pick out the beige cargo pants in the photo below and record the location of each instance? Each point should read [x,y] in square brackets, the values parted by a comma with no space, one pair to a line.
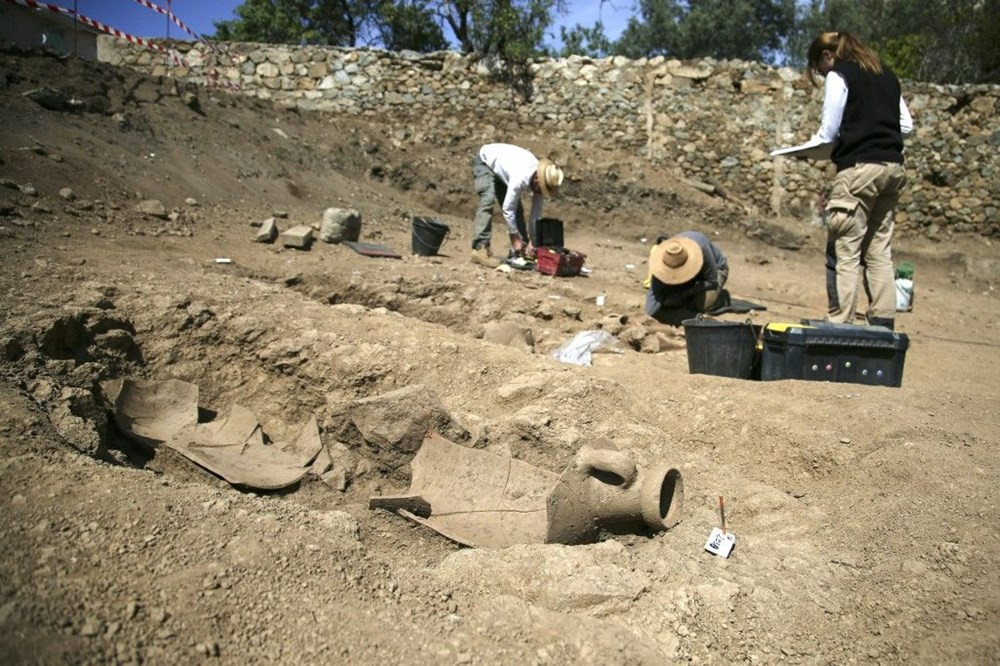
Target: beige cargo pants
[861,217]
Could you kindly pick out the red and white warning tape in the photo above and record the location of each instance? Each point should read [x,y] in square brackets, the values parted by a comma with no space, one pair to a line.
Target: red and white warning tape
[55,9]
[180,24]
[212,76]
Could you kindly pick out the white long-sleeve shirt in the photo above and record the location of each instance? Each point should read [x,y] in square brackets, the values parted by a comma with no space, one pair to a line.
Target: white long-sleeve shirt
[834,101]
[515,166]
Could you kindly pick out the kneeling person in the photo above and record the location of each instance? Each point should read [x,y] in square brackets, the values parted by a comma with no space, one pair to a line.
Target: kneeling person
[687,274]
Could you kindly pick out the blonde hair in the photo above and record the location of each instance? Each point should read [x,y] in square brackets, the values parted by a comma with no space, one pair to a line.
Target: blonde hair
[843,46]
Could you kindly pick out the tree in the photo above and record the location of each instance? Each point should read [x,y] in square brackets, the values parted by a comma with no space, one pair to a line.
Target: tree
[396,25]
[746,29]
[511,29]
[946,41]
[585,41]
[329,22]
[268,21]
[409,25]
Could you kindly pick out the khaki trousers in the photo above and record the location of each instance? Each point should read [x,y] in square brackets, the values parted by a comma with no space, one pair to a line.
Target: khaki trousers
[859,244]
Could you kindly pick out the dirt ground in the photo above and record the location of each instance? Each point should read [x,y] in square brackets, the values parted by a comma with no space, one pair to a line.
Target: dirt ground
[862,514]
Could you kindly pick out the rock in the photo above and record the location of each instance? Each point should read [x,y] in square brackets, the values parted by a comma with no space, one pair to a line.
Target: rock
[49,98]
[152,208]
[119,342]
[340,224]
[511,334]
[336,479]
[28,189]
[81,421]
[67,194]
[650,344]
[613,323]
[191,101]
[634,335]
[388,429]
[191,201]
[525,387]
[267,232]
[91,627]
[299,237]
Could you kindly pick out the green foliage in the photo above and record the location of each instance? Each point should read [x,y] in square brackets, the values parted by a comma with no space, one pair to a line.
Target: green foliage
[904,54]
[746,29]
[585,41]
[329,22]
[409,25]
[396,25]
[511,29]
[267,21]
[945,41]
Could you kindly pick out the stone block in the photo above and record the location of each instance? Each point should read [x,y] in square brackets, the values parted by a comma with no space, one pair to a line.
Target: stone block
[267,232]
[299,237]
[267,70]
[340,224]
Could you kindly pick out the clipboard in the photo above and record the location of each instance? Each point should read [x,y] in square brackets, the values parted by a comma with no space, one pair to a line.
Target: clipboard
[809,150]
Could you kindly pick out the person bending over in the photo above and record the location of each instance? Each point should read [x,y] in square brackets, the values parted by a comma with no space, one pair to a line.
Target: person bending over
[504,172]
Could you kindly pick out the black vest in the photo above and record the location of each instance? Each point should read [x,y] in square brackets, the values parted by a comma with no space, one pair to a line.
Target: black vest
[869,131]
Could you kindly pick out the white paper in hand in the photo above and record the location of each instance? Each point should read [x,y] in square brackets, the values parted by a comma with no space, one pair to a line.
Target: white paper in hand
[810,149]
[719,543]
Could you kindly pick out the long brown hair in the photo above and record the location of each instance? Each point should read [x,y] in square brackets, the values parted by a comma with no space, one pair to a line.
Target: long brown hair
[843,46]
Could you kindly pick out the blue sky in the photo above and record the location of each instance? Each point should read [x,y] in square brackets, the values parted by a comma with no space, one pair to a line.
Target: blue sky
[131,17]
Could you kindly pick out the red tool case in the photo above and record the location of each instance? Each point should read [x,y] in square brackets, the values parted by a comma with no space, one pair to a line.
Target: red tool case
[559,261]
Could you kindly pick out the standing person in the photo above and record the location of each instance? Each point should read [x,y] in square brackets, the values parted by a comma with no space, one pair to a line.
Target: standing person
[687,274]
[865,118]
[503,172]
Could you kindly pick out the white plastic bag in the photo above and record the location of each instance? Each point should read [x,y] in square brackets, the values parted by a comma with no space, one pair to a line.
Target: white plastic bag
[578,351]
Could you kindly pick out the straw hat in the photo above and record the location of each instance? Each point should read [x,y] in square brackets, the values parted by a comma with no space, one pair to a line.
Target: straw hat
[550,177]
[676,260]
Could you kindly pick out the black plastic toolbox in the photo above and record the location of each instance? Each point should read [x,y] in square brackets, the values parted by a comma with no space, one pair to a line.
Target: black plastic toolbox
[820,351]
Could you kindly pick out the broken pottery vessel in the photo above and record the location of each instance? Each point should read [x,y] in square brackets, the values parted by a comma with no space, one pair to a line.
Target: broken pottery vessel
[165,412]
[479,499]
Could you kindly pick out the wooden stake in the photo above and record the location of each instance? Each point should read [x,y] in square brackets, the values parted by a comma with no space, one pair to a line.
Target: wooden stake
[722,513]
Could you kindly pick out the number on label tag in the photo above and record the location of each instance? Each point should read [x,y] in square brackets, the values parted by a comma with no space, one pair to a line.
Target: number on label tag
[719,543]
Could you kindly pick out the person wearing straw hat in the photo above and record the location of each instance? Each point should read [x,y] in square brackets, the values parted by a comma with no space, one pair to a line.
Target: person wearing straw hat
[503,172]
[687,273]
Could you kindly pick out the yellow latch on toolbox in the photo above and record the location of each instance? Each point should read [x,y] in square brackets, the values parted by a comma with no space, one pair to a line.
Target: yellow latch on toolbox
[783,327]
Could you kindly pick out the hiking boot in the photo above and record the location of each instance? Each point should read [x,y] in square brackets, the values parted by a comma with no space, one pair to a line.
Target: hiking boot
[483,257]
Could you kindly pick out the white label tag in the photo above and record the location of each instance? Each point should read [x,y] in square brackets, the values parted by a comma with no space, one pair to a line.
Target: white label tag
[719,543]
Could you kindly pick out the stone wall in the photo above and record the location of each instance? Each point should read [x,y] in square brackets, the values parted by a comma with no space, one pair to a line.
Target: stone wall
[714,120]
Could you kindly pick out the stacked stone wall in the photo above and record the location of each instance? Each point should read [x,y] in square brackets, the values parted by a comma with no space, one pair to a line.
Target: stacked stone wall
[713,120]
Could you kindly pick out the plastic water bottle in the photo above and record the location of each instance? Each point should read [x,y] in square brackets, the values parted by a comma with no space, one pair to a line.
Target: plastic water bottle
[904,294]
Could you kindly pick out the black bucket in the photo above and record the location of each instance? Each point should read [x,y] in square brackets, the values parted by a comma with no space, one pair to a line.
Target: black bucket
[723,348]
[428,236]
